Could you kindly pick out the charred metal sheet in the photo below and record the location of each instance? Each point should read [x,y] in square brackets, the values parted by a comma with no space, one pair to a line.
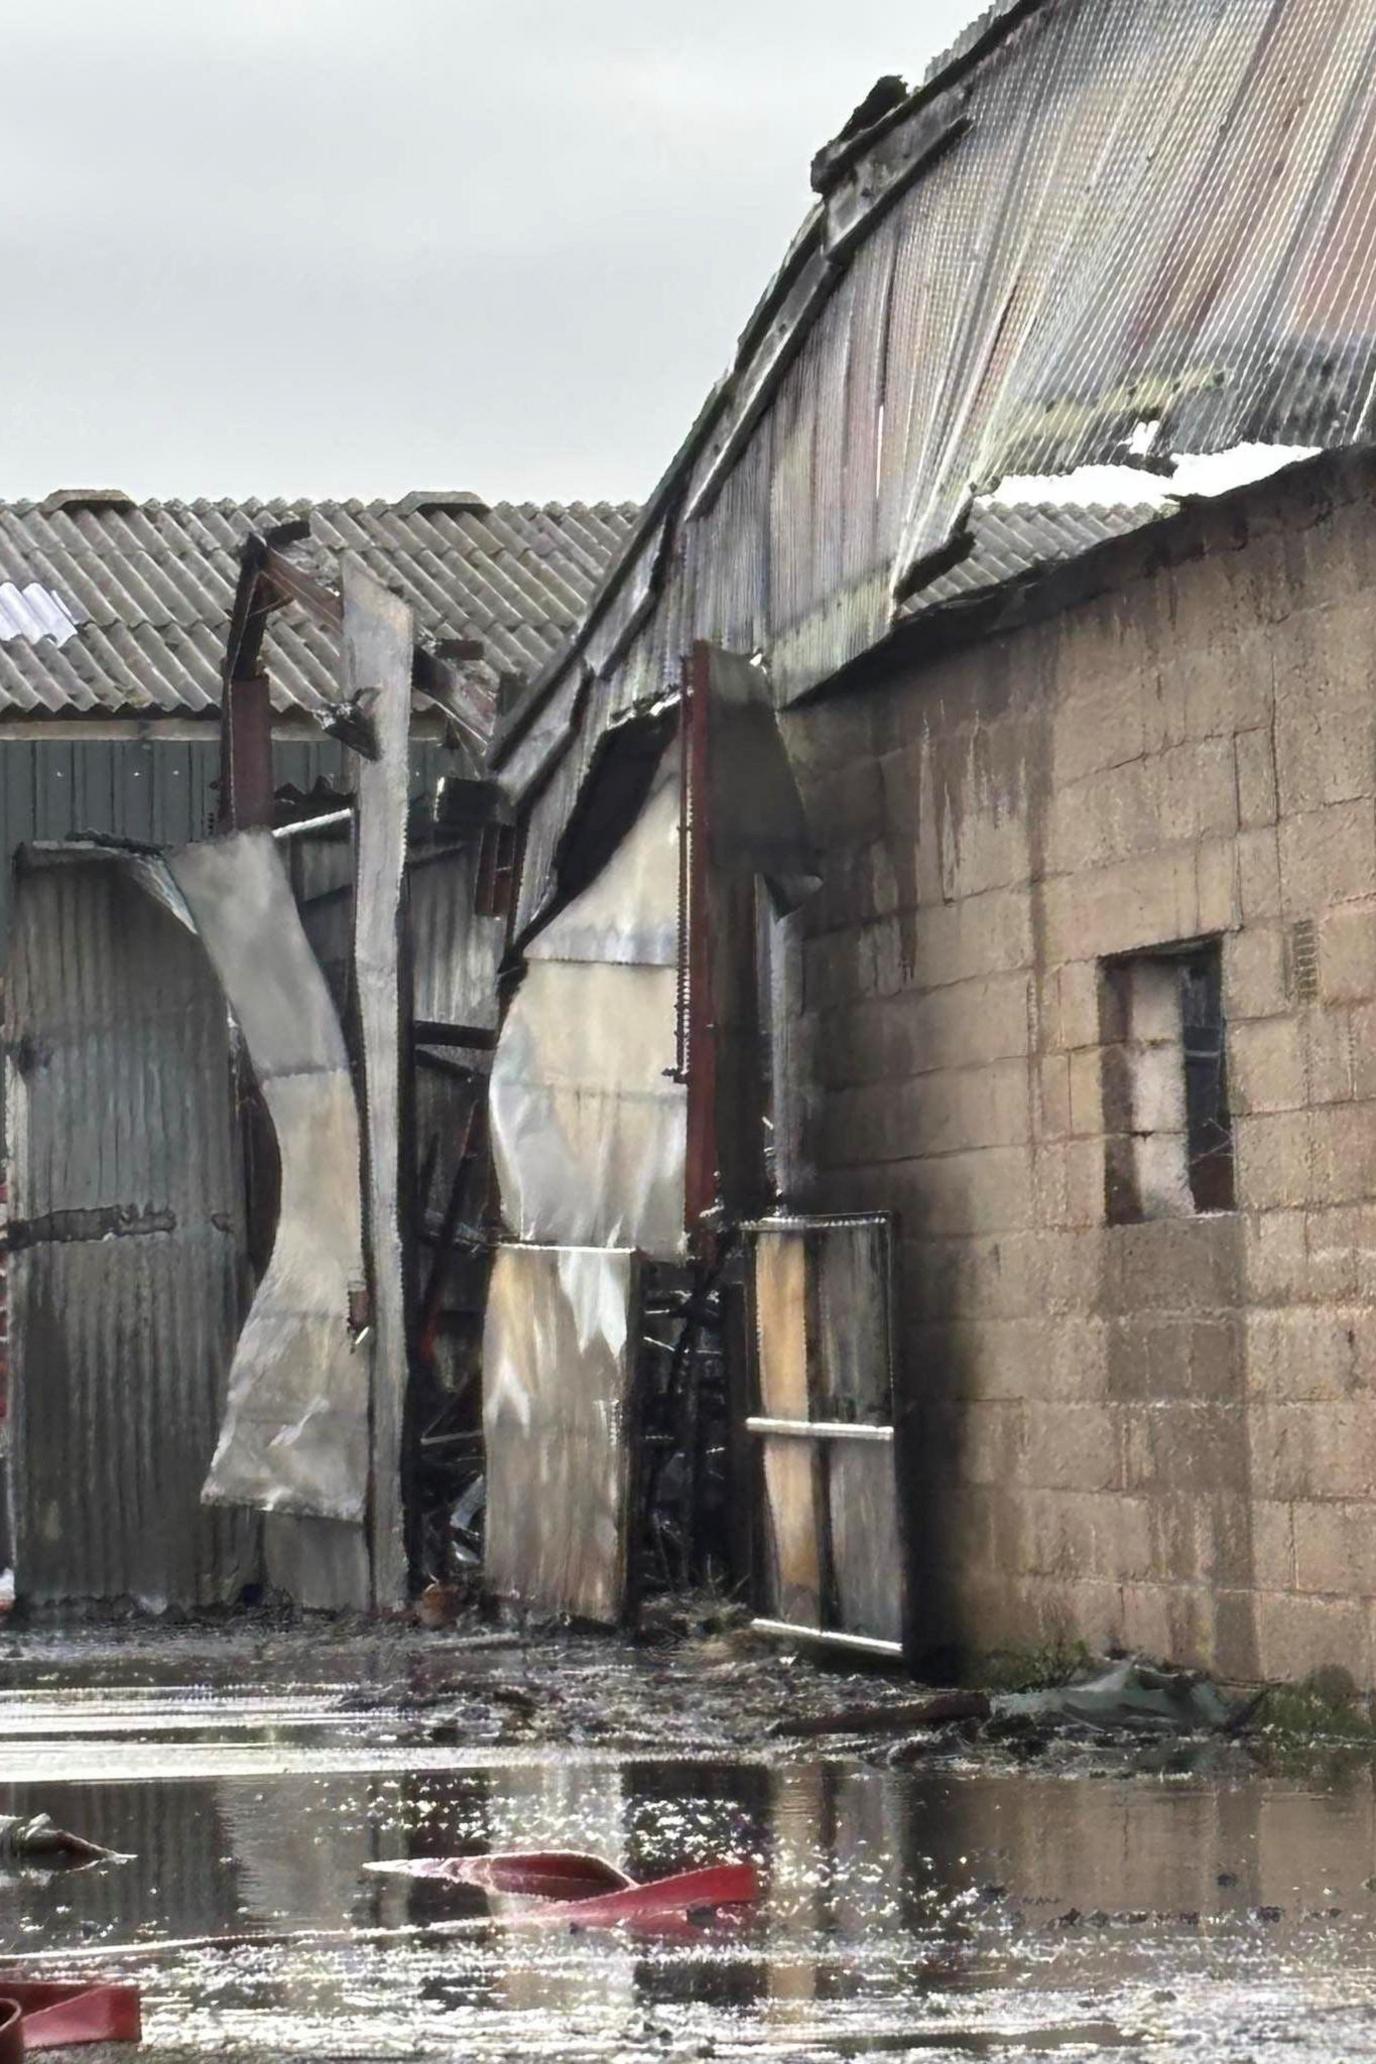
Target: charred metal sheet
[821,1299]
[866,1548]
[104,1222]
[588,1123]
[379,635]
[745,821]
[558,1366]
[295,1434]
[126,1281]
[455,952]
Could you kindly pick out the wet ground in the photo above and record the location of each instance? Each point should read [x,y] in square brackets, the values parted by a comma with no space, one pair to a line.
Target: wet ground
[1213,1905]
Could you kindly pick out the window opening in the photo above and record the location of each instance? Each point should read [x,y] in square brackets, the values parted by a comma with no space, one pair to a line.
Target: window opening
[1169,1127]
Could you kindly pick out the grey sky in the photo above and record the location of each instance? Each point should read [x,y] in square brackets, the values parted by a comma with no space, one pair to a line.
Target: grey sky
[337,247]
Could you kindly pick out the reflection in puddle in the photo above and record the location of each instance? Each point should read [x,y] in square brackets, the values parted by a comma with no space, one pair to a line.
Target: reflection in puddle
[934,1910]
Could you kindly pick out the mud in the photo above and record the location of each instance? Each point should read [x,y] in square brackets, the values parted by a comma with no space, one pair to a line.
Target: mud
[1201,1901]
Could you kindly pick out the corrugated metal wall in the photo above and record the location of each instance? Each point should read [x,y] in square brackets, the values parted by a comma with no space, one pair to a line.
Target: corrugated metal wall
[156,790]
[127,1215]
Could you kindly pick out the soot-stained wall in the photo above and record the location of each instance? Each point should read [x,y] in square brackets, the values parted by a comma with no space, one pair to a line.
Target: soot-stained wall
[1159,1432]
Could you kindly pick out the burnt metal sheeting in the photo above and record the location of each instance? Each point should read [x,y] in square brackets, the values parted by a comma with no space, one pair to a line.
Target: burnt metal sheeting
[379,635]
[1098,215]
[559,1349]
[127,1216]
[454,951]
[588,1120]
[295,1433]
[150,587]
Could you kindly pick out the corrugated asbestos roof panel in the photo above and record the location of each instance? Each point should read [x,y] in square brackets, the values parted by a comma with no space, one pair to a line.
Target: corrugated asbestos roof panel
[1009,544]
[127,609]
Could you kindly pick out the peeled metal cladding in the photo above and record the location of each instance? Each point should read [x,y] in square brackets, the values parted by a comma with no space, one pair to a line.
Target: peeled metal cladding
[588,1122]
[559,1352]
[295,1433]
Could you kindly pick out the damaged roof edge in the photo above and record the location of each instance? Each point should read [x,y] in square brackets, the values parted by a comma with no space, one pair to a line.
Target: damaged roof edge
[806,243]
[1162,345]
[983,37]
[1171,535]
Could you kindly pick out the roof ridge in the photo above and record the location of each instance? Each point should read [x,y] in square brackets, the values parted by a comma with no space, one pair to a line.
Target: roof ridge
[988,29]
[237,505]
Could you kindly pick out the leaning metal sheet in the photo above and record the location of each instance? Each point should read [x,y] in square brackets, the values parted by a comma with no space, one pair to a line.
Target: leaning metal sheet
[588,1124]
[296,1424]
[379,639]
[558,1359]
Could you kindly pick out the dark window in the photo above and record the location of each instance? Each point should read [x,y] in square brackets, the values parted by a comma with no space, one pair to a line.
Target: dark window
[1169,1132]
[1209,1126]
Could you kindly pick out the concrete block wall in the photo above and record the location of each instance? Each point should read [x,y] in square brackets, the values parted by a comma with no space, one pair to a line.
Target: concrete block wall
[1160,1433]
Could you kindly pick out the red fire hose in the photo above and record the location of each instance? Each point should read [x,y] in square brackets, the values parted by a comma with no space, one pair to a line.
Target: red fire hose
[51,2017]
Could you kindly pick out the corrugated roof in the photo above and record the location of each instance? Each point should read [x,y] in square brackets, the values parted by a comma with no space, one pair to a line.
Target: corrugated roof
[149,588]
[1096,219]
[1009,544]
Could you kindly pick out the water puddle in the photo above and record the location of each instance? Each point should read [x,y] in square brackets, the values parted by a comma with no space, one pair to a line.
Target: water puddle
[961,1912]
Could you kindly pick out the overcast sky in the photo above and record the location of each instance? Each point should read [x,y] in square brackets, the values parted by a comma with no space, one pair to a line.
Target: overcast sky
[355,247]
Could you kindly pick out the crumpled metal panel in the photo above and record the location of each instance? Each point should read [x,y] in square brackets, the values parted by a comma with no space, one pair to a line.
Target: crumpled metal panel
[295,1433]
[128,1267]
[629,914]
[588,1131]
[559,1353]
[588,1124]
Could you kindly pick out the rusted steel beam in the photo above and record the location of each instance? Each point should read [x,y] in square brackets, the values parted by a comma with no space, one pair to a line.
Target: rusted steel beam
[246,786]
[292,583]
[698,1058]
[432,675]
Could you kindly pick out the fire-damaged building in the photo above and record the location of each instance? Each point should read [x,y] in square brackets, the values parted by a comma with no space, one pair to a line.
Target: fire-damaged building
[915,1149]
[144,1170]
[1051,1107]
